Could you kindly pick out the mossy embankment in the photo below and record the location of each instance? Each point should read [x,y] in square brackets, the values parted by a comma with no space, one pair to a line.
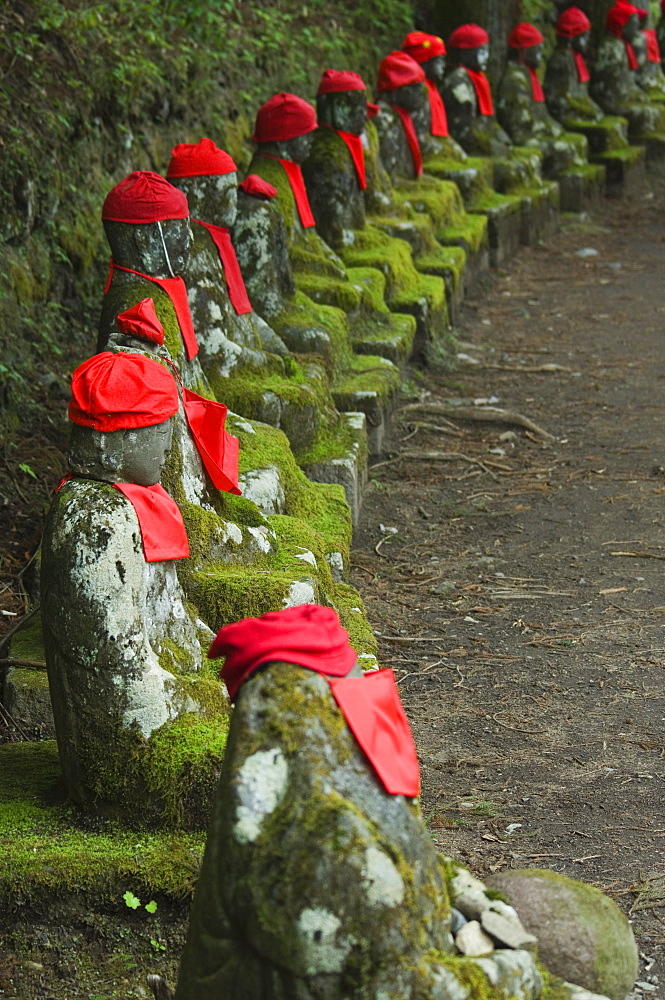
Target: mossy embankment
[92,92]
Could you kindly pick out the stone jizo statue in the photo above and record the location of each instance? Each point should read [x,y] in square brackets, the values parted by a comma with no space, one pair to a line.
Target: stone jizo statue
[467,94]
[649,73]
[121,648]
[230,333]
[613,84]
[521,107]
[431,120]
[400,92]
[146,221]
[567,76]
[319,878]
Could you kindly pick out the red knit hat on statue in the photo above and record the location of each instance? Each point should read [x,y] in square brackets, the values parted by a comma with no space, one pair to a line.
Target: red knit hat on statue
[468,36]
[199,159]
[421,46]
[573,22]
[144,197]
[618,16]
[112,392]
[399,70]
[334,81]
[284,117]
[525,36]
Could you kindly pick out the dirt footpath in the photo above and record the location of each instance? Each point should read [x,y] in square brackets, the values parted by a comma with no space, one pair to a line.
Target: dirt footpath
[519,591]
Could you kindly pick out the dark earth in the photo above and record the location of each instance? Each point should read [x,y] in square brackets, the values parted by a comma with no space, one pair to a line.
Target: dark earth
[518,590]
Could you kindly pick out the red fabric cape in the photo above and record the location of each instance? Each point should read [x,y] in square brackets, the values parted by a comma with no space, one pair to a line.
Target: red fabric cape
[311,636]
[653,48]
[176,289]
[162,528]
[537,91]
[411,138]
[218,449]
[297,185]
[354,144]
[232,274]
[481,85]
[439,118]
[583,74]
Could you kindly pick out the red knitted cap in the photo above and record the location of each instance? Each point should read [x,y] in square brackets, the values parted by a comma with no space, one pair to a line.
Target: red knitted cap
[524,36]
[333,81]
[142,321]
[258,188]
[144,196]
[468,36]
[399,70]
[284,117]
[112,392]
[308,635]
[421,46]
[199,159]
[618,16]
[573,22]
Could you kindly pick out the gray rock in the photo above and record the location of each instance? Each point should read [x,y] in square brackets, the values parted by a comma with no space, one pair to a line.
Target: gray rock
[472,940]
[583,936]
[507,930]
[458,920]
[513,973]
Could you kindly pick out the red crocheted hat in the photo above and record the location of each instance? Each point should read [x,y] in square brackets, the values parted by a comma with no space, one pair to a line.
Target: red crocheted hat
[399,70]
[144,196]
[333,81]
[199,159]
[468,36]
[112,392]
[421,46]
[284,117]
[573,22]
[524,36]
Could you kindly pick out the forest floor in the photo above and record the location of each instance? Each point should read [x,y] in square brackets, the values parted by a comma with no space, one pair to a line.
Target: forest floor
[519,591]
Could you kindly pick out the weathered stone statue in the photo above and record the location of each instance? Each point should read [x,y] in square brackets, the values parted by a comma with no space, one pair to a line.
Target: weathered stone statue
[660,29]
[239,350]
[146,221]
[613,83]
[468,97]
[522,111]
[337,182]
[649,73]
[567,75]
[430,119]
[319,878]
[122,647]
[400,93]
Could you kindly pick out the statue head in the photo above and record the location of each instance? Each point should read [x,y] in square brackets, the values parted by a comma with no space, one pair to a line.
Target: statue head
[573,29]
[284,127]
[121,409]
[623,21]
[400,81]
[341,101]
[470,47]
[146,222]
[208,177]
[525,45]
[429,52]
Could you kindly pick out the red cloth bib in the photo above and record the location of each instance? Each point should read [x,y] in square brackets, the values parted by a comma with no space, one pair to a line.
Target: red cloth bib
[218,449]
[437,109]
[311,636]
[354,144]
[232,274]
[411,138]
[583,74]
[162,528]
[537,91]
[481,85]
[653,48]
[374,713]
[630,55]
[297,185]
[176,289]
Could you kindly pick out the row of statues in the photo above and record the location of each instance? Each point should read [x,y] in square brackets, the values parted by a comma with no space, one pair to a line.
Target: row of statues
[283,306]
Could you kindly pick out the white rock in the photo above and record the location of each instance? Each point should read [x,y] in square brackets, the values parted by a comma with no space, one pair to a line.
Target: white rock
[472,940]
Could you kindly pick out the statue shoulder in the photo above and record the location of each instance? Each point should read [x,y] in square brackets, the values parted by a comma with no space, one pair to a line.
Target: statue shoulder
[515,82]
[457,86]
